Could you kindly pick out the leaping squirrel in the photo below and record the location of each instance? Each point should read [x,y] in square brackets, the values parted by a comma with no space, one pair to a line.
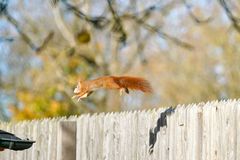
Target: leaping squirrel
[122,83]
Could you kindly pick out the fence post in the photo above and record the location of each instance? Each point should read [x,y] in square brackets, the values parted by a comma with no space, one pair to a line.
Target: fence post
[68,140]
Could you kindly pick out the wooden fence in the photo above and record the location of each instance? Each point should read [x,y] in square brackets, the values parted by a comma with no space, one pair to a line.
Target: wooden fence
[206,131]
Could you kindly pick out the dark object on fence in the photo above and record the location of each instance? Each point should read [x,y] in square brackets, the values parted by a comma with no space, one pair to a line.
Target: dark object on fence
[10,141]
[162,121]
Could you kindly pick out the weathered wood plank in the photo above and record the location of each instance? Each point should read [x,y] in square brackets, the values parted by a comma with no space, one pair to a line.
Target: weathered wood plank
[68,139]
[197,131]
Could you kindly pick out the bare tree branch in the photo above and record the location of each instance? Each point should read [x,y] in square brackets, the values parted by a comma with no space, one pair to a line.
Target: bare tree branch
[45,42]
[117,26]
[138,17]
[3,6]
[138,38]
[160,33]
[138,53]
[194,18]
[98,22]
[67,33]
[62,26]
[25,36]
[22,34]
[6,39]
[235,21]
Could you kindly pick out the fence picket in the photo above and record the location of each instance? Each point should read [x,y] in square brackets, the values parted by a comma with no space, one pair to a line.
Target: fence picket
[197,131]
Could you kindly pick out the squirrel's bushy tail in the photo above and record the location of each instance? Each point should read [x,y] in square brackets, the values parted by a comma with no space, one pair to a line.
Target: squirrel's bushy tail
[135,83]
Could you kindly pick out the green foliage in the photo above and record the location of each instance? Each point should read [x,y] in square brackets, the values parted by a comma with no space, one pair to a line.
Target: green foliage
[47,102]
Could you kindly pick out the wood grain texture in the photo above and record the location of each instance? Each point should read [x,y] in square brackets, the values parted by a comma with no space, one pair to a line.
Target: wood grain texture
[196,131]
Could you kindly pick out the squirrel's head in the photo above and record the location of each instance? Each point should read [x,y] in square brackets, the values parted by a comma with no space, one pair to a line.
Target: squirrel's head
[78,88]
[81,91]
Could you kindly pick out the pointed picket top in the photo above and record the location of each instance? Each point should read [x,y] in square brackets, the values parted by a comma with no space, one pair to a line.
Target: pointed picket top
[125,135]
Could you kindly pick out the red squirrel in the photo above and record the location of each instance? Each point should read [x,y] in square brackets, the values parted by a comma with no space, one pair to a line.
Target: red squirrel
[122,83]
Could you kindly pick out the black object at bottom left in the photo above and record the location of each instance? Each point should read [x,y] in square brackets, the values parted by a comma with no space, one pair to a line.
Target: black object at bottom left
[12,142]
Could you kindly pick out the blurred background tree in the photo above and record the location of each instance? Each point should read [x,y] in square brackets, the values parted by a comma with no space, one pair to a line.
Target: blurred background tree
[188,50]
